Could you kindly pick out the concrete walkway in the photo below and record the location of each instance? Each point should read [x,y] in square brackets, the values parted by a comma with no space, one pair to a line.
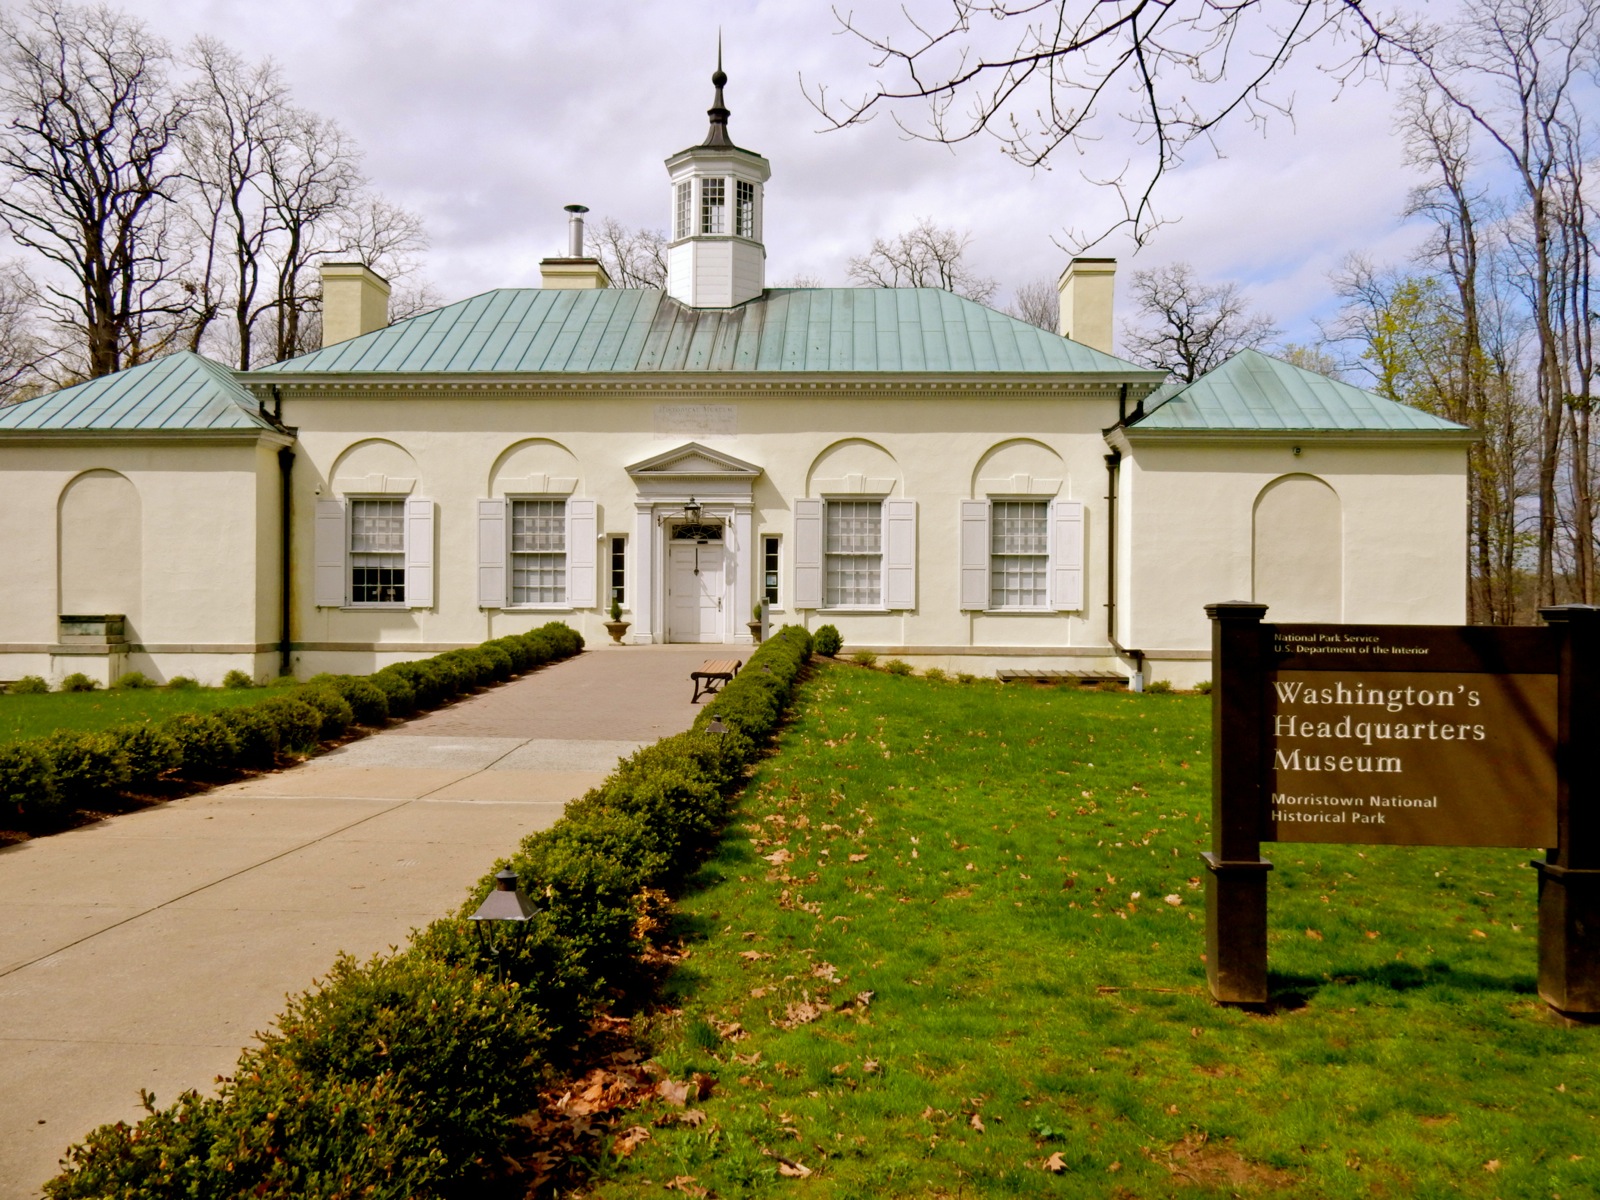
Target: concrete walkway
[144,951]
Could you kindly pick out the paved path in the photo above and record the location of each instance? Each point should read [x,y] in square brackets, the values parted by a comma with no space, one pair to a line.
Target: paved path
[144,951]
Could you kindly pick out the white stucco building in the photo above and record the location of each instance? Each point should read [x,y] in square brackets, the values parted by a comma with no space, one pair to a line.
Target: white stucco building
[936,479]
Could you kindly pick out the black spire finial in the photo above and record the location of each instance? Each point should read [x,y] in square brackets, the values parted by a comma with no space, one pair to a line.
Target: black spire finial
[718,112]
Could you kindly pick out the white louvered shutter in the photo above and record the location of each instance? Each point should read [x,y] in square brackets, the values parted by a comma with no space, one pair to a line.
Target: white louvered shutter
[974,554]
[900,554]
[491,553]
[808,553]
[327,555]
[419,552]
[1066,555]
[582,530]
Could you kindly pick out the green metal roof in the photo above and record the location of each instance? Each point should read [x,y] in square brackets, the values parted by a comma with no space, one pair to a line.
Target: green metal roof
[616,330]
[1254,392]
[179,392]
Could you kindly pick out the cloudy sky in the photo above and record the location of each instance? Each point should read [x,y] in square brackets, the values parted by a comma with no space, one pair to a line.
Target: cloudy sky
[487,117]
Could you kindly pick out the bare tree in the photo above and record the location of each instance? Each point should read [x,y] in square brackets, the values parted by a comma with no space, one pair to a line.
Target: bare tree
[1311,358]
[633,258]
[90,171]
[924,256]
[1187,327]
[1038,302]
[1040,75]
[22,351]
[1516,70]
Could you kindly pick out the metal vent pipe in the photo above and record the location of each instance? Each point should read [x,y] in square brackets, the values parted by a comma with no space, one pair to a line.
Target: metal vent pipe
[575,230]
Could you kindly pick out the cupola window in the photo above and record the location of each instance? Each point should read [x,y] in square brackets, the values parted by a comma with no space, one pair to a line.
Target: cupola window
[744,211]
[714,206]
[683,210]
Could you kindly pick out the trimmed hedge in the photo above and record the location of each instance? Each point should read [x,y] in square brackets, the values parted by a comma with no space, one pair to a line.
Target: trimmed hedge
[44,777]
[401,1076]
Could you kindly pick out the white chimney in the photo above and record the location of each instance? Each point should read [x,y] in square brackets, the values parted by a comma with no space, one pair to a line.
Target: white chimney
[1086,288]
[355,300]
[575,270]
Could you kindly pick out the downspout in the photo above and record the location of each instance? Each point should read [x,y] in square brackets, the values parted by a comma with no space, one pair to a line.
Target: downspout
[1113,471]
[286,513]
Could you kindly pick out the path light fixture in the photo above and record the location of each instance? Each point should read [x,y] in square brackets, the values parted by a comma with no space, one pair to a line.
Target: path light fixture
[715,725]
[502,918]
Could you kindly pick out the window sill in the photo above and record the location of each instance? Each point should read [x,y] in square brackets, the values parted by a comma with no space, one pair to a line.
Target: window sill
[866,611]
[566,608]
[375,608]
[1026,612]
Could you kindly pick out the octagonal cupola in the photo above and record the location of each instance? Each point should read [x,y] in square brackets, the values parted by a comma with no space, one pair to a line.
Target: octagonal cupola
[715,258]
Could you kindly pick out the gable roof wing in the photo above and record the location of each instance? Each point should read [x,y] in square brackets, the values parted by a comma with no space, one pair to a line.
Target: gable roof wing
[638,330]
[179,393]
[1252,392]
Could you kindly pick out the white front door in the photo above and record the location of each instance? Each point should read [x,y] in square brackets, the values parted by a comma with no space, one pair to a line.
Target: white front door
[694,593]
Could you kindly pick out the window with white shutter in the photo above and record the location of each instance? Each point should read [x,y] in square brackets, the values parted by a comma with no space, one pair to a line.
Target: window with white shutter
[492,545]
[1066,555]
[808,553]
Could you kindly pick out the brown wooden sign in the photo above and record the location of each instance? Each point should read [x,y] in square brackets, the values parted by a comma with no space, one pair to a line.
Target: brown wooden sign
[1406,735]
[1411,735]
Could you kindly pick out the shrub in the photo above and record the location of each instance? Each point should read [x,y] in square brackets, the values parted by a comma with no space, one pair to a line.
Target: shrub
[299,724]
[27,780]
[863,658]
[134,681]
[1203,687]
[1159,687]
[256,734]
[79,682]
[282,681]
[398,694]
[207,746]
[87,765]
[897,666]
[963,677]
[369,704]
[29,685]
[934,673]
[237,679]
[827,641]
[337,715]
[183,683]
[150,751]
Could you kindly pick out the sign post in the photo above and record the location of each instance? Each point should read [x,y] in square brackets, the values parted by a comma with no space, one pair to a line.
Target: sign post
[1569,874]
[1236,874]
[1406,735]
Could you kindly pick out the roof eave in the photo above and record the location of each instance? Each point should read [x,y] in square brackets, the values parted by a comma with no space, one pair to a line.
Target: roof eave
[14,437]
[459,380]
[1124,437]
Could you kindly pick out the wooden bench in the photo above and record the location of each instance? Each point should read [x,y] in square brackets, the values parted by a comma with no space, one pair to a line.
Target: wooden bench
[712,674]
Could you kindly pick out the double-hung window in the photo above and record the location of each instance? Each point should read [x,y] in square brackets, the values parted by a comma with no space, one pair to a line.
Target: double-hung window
[853,554]
[373,552]
[538,552]
[1019,554]
[377,552]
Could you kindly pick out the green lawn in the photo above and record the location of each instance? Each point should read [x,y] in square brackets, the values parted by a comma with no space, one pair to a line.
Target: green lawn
[23,717]
[1013,876]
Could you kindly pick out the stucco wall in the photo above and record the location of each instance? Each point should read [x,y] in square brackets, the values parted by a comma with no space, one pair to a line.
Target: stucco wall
[931,446]
[199,526]
[1191,533]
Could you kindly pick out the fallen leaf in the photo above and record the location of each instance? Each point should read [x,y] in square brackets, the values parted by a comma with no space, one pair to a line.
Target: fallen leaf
[778,857]
[863,857]
[686,1185]
[1055,1163]
[675,1092]
[788,1168]
[1313,935]
[753,955]
[1492,1165]
[870,1066]
[1479,933]
[976,1122]
[970,867]
[691,1117]
[629,1138]
[1117,1166]
[1174,899]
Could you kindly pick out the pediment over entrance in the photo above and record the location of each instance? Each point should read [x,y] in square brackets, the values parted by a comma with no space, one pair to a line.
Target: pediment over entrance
[693,461]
